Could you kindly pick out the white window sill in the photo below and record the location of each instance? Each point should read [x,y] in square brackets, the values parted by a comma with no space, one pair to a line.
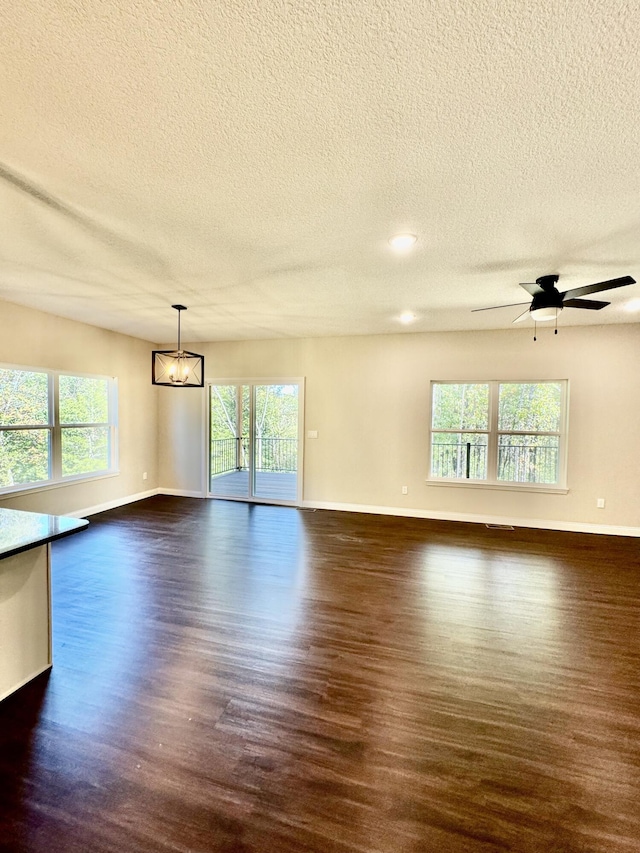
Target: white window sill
[503,487]
[32,488]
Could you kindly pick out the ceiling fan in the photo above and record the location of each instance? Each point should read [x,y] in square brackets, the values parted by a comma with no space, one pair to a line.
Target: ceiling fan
[548,301]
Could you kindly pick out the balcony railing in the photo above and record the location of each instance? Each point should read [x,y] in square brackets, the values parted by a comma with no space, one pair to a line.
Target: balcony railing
[517,463]
[459,461]
[271,454]
[520,463]
[224,455]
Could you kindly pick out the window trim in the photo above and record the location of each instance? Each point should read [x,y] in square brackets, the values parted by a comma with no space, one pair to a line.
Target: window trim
[54,428]
[493,434]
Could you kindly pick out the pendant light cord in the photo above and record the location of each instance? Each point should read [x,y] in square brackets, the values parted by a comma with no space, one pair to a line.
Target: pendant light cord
[179,308]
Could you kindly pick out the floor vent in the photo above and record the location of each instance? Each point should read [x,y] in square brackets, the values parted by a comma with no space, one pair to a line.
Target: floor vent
[499,527]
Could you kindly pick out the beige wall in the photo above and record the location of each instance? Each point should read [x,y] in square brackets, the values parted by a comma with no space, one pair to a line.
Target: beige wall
[36,339]
[368,398]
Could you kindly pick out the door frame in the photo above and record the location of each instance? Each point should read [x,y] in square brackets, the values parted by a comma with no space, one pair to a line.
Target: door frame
[287,380]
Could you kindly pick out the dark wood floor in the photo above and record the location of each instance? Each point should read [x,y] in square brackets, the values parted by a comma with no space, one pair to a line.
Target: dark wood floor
[241,678]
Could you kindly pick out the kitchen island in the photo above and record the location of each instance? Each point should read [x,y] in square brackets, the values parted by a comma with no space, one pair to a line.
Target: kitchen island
[25,593]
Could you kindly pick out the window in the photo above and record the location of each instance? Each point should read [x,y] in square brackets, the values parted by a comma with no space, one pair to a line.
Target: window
[54,427]
[511,433]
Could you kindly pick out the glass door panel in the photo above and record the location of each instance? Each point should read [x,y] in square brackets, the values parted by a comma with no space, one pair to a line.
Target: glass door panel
[229,441]
[254,441]
[275,442]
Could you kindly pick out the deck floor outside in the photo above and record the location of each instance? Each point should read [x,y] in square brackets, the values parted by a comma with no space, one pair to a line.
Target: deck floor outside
[269,485]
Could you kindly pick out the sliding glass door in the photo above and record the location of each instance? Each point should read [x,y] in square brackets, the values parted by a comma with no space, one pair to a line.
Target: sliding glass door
[254,441]
[229,413]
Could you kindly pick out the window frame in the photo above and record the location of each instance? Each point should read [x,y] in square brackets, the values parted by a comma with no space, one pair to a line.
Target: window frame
[55,429]
[493,434]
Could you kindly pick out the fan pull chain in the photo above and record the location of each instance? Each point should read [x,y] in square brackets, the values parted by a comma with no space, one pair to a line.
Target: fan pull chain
[535,329]
[556,331]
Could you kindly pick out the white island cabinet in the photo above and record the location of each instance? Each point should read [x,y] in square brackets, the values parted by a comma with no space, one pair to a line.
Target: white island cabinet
[25,593]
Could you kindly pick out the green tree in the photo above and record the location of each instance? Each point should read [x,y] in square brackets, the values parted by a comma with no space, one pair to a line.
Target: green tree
[275,427]
[460,407]
[25,454]
[24,402]
[84,400]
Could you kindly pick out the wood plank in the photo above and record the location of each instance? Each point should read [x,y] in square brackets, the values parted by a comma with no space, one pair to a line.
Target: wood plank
[235,677]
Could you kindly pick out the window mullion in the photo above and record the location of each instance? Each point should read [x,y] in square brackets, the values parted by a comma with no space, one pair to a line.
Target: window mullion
[492,449]
[535,432]
[462,431]
[54,419]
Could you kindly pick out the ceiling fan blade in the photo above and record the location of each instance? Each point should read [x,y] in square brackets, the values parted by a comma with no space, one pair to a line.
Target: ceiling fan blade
[493,307]
[531,287]
[597,288]
[591,304]
[523,316]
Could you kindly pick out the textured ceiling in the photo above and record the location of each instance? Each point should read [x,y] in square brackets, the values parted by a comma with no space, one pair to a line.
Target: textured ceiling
[250,159]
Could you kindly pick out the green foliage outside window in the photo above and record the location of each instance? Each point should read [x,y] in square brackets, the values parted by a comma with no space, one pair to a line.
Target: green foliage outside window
[460,407]
[530,406]
[520,421]
[24,456]
[24,398]
[85,450]
[24,402]
[275,427]
[83,400]
[29,436]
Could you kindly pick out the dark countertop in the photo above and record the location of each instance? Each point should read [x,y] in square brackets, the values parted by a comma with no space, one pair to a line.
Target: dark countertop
[20,530]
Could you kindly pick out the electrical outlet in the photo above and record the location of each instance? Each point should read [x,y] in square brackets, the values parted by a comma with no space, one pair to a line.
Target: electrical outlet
[600,503]
[405,490]
[144,475]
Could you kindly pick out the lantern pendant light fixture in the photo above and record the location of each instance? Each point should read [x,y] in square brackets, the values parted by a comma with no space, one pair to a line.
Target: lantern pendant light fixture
[177,368]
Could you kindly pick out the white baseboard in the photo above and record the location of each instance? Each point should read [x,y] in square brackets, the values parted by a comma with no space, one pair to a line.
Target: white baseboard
[181,493]
[24,681]
[435,515]
[92,510]
[129,499]
[475,518]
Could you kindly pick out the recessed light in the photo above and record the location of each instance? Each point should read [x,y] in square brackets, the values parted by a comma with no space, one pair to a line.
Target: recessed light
[633,305]
[407,317]
[403,242]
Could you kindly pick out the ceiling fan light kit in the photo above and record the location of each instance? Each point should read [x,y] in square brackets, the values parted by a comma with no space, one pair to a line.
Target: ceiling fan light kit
[542,315]
[547,301]
[177,368]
